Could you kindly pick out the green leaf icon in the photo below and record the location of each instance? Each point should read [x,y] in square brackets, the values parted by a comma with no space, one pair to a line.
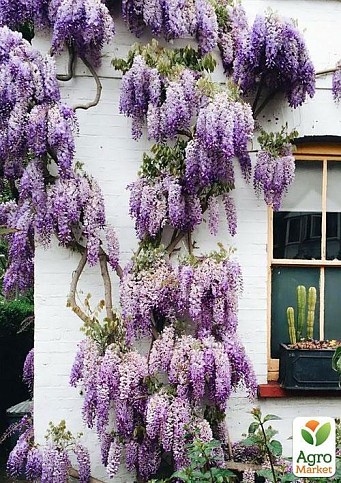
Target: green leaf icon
[323,433]
[307,436]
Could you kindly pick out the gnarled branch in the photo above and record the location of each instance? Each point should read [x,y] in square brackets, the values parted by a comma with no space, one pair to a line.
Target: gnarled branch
[325,72]
[70,66]
[106,284]
[98,88]
[71,300]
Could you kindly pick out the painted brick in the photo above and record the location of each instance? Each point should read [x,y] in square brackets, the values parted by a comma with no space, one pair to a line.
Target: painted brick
[108,152]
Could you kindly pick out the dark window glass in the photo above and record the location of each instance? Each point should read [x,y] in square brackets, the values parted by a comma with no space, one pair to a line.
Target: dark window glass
[333,236]
[332,304]
[283,295]
[297,235]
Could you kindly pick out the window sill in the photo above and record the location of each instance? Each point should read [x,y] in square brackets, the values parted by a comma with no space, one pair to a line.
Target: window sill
[272,390]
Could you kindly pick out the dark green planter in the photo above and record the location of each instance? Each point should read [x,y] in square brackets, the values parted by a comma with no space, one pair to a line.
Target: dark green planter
[307,369]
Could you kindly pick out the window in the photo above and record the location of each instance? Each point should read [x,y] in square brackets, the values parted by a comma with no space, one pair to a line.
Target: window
[305,247]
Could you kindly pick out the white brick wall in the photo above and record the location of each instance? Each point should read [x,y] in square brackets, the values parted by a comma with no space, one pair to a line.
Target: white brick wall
[105,146]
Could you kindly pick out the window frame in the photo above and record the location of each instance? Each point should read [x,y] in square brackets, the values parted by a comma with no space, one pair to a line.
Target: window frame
[304,152]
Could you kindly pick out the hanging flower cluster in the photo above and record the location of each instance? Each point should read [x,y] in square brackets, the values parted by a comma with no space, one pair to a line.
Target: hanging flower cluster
[233,33]
[32,118]
[38,134]
[160,201]
[198,368]
[160,88]
[223,129]
[85,24]
[174,19]
[180,182]
[28,370]
[275,167]
[149,288]
[135,414]
[50,463]
[336,83]
[209,291]
[276,58]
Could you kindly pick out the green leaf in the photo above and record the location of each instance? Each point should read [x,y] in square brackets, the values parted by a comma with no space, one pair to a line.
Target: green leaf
[323,434]
[253,427]
[182,476]
[248,441]
[271,417]
[267,474]
[307,436]
[288,477]
[336,362]
[275,447]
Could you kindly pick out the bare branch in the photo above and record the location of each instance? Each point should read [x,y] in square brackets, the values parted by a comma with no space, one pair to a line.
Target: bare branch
[185,132]
[74,474]
[71,300]
[70,66]
[325,72]
[171,247]
[189,242]
[265,103]
[98,87]
[106,284]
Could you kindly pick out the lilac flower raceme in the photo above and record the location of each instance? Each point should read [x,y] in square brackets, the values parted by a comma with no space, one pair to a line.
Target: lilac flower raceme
[28,371]
[277,58]
[224,128]
[197,368]
[17,459]
[273,174]
[83,462]
[34,464]
[233,36]
[209,291]
[174,19]
[160,201]
[336,83]
[145,293]
[114,458]
[141,86]
[85,23]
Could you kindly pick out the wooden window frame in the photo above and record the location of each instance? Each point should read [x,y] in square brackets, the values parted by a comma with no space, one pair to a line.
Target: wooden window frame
[308,152]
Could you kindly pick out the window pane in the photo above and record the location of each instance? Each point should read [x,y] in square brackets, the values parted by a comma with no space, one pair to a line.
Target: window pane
[305,194]
[297,235]
[284,284]
[297,227]
[333,211]
[332,310]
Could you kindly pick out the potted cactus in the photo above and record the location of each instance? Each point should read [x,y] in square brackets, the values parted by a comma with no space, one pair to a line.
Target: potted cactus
[306,363]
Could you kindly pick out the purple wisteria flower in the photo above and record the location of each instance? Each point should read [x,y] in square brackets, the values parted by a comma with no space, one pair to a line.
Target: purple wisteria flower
[34,464]
[336,83]
[273,174]
[151,291]
[83,462]
[276,58]
[28,371]
[211,294]
[224,128]
[87,24]
[233,37]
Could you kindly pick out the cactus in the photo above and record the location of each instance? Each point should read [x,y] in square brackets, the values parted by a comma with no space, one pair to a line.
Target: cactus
[311,312]
[305,314]
[301,309]
[291,324]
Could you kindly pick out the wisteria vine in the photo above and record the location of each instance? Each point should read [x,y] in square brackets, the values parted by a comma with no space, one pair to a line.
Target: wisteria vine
[145,405]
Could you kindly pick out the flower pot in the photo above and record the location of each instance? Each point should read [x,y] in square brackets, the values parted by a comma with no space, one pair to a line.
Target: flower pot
[309,369]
